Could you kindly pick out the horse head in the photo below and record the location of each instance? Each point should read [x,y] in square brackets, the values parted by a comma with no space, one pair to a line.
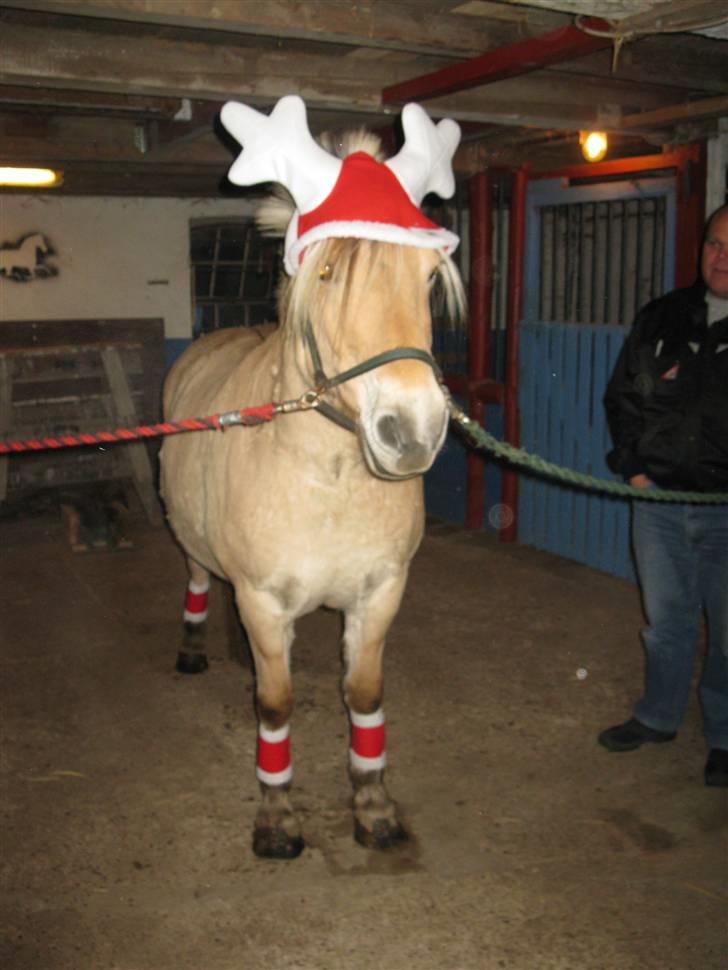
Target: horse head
[368,302]
[363,260]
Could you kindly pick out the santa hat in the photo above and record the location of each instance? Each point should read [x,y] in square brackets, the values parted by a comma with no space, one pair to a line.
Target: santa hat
[357,197]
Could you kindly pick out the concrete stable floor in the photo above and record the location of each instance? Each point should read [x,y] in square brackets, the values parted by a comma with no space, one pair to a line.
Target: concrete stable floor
[128,791]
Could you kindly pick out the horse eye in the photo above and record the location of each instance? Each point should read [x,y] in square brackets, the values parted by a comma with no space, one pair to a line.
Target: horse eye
[325,272]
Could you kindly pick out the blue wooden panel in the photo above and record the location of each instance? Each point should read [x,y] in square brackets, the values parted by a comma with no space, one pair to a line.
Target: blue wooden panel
[173,347]
[445,481]
[564,372]
[527,407]
[568,496]
[582,424]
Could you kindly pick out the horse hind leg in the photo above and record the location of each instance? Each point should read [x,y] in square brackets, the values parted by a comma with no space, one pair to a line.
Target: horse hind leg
[376,820]
[192,658]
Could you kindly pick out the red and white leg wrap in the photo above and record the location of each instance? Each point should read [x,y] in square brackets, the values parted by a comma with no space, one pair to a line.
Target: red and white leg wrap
[368,741]
[196,602]
[274,756]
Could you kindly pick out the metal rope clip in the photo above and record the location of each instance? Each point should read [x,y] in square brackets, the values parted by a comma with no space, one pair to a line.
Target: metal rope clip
[228,418]
[307,401]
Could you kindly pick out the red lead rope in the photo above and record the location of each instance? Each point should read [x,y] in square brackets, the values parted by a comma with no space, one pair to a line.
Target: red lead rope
[247,417]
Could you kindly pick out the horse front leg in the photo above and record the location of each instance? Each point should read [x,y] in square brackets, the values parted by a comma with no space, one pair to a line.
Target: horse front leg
[277,831]
[376,821]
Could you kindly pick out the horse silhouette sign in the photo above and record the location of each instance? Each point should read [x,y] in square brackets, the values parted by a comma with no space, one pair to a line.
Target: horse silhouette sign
[25,260]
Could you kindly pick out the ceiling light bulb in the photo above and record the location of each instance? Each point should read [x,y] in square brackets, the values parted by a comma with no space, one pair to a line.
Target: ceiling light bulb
[594,145]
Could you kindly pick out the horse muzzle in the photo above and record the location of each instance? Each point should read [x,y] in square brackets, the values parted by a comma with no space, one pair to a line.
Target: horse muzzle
[397,442]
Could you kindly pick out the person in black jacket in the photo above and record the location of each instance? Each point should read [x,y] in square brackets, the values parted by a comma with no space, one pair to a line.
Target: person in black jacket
[667,409]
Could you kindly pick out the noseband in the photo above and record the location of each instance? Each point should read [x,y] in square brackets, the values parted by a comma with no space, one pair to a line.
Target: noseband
[324,383]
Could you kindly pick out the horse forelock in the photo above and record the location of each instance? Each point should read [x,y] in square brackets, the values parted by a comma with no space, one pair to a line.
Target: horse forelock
[353,261]
[359,140]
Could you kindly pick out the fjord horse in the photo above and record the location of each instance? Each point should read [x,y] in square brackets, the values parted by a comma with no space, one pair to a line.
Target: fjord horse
[302,512]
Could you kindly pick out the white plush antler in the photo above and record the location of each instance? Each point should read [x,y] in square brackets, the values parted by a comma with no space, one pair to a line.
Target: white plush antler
[280,148]
[424,163]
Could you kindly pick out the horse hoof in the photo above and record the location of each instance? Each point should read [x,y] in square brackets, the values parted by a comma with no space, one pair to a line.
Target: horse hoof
[191,663]
[384,835]
[276,844]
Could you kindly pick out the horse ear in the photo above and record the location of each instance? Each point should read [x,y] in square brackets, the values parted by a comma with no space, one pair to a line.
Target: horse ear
[424,163]
[280,148]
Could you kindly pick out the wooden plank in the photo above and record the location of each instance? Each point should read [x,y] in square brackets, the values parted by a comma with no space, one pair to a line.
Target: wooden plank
[151,65]
[582,422]
[555,452]
[702,108]
[66,350]
[135,451]
[33,334]
[527,358]
[696,64]
[542,383]
[121,105]
[80,388]
[569,449]
[6,414]
[419,27]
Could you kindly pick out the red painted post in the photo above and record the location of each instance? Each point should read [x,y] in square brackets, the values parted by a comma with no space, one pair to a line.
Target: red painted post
[690,212]
[516,249]
[481,288]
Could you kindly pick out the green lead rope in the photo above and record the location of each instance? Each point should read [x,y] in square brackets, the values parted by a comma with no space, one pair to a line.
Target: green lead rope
[523,459]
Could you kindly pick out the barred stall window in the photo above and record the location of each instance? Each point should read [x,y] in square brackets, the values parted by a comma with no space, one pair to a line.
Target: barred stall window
[601,261]
[235,272]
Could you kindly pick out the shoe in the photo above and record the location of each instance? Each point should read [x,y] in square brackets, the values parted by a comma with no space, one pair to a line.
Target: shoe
[716,768]
[632,734]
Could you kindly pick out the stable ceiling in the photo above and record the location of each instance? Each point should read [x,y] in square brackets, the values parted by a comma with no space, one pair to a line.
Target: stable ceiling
[123,94]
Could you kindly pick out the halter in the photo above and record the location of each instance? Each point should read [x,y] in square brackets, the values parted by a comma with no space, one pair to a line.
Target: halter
[323,383]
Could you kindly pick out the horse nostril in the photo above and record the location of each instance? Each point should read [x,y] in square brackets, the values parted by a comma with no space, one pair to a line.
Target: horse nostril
[388,432]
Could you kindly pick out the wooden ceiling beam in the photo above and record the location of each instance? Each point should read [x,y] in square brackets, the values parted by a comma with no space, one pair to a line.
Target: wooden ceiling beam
[695,64]
[25,98]
[48,59]
[677,113]
[83,139]
[156,66]
[412,25]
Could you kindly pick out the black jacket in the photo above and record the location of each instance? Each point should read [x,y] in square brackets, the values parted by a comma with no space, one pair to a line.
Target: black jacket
[667,400]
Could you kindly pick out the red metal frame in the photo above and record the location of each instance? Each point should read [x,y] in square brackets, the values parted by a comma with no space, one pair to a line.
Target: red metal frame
[481,290]
[478,389]
[562,44]
[686,162]
[509,494]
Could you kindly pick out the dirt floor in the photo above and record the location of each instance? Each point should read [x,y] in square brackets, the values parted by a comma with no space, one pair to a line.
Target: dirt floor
[128,790]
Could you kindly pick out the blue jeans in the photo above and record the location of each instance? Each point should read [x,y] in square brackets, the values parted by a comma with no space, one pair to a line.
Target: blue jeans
[681,553]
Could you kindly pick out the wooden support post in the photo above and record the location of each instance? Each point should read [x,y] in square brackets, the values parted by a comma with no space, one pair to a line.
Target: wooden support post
[5,420]
[136,452]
